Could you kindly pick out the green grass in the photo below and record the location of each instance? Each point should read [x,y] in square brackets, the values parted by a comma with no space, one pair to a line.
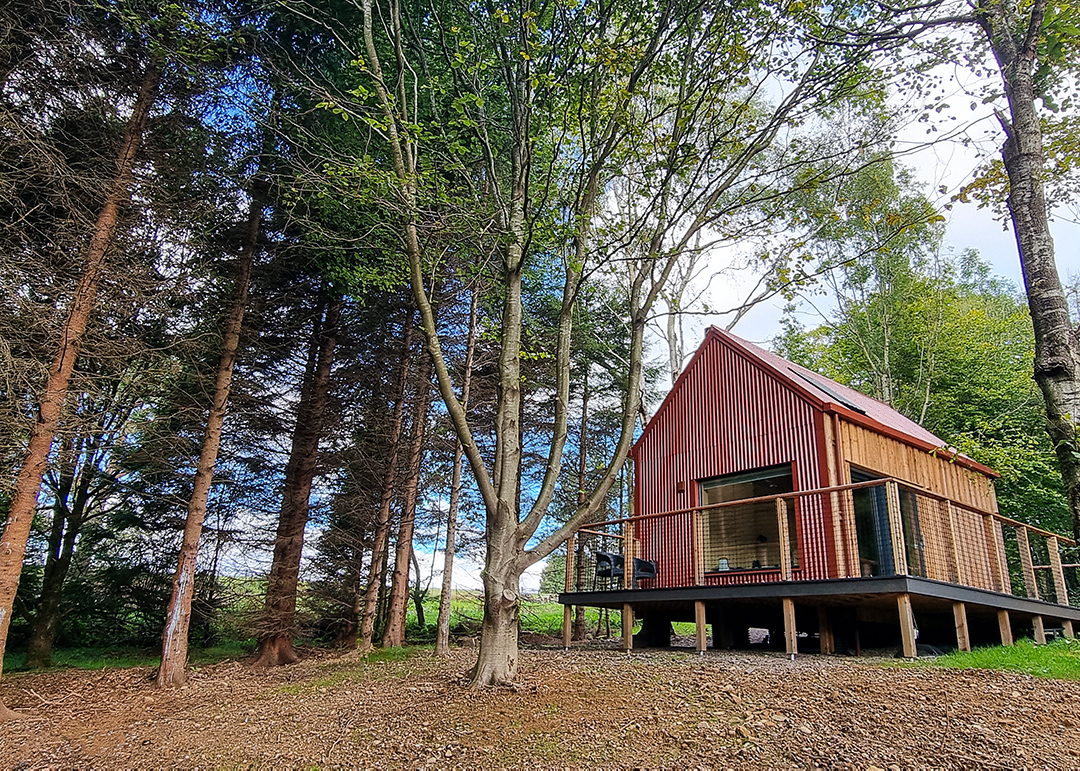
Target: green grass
[1058,660]
[467,611]
[122,658]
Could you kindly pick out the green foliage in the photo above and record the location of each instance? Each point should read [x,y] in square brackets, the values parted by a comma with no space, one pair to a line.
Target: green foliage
[942,342]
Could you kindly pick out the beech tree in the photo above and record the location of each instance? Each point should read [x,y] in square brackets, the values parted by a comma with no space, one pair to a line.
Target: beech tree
[1020,37]
[578,90]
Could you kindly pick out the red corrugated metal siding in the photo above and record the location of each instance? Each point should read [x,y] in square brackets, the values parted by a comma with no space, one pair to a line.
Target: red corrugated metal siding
[726,415]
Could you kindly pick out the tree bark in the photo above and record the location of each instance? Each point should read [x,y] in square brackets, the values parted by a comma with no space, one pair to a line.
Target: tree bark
[368,605]
[497,660]
[1057,351]
[442,633]
[278,626]
[60,545]
[28,483]
[174,638]
[399,584]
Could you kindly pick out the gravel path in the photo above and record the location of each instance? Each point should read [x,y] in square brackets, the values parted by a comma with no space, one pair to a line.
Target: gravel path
[577,709]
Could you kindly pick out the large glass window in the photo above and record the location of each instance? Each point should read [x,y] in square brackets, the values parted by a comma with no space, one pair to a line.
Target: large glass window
[747,536]
[874,533]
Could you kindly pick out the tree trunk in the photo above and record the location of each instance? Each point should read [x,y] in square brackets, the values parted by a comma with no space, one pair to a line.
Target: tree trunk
[497,661]
[399,584]
[1057,352]
[68,518]
[442,626]
[174,638]
[279,616]
[368,604]
[418,593]
[47,617]
[28,483]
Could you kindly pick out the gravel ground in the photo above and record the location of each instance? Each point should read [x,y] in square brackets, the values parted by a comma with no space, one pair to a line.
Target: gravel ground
[579,709]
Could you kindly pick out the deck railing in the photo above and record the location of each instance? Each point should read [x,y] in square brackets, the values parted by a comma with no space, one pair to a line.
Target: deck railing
[879,528]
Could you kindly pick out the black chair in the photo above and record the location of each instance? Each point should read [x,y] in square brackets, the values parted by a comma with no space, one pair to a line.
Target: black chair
[643,569]
[609,566]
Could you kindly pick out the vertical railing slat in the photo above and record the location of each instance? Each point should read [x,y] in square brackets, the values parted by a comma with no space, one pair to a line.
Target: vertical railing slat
[1058,571]
[785,539]
[1028,566]
[896,528]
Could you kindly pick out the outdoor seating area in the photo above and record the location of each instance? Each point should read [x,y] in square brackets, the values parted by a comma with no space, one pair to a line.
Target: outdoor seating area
[611,568]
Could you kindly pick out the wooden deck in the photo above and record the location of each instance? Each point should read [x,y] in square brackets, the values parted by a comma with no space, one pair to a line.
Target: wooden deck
[834,608]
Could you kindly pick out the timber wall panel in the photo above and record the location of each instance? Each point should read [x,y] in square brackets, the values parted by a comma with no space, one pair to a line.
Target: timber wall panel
[889,457]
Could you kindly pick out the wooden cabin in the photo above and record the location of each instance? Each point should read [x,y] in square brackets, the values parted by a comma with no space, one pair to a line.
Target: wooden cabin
[770,498]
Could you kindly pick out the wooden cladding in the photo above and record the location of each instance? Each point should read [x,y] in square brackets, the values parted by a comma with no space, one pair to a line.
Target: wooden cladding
[889,457]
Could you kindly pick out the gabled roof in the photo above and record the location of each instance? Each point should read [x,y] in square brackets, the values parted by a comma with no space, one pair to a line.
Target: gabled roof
[829,396]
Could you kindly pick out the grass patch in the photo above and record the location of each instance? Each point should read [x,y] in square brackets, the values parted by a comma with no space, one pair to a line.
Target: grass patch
[1059,660]
[125,658]
[538,616]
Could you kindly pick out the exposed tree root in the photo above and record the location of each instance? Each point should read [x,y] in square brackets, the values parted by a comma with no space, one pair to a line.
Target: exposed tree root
[276,652]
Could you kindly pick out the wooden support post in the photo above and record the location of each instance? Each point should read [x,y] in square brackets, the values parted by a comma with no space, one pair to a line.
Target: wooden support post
[628,555]
[785,541]
[791,639]
[700,633]
[1039,628]
[628,627]
[896,528]
[1030,586]
[907,626]
[825,631]
[1057,570]
[1005,627]
[1067,628]
[963,638]
[567,625]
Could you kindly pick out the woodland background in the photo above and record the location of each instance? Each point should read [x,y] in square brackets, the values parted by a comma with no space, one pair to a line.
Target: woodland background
[259,228]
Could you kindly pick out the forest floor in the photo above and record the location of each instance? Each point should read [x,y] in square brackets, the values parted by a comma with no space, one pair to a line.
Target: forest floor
[579,709]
